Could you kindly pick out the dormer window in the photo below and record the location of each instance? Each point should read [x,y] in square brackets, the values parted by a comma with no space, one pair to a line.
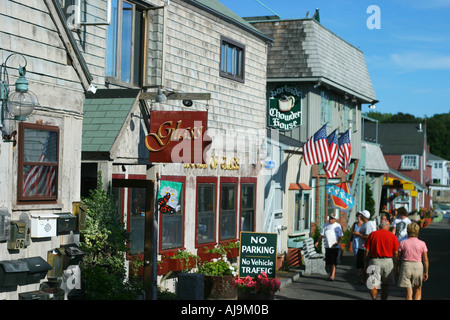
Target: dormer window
[410,162]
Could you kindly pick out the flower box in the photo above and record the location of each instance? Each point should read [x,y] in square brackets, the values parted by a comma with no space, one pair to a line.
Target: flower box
[295,243]
[180,264]
[232,252]
[207,256]
[163,267]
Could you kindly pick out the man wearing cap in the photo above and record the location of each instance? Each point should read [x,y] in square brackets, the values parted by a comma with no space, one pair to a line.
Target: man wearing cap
[364,231]
[381,249]
[332,232]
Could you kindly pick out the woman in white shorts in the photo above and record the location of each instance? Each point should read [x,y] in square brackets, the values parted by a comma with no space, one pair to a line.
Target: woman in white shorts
[413,255]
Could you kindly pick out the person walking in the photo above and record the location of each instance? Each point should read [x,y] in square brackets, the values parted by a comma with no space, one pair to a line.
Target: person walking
[365,230]
[413,257]
[381,254]
[332,232]
[400,224]
[355,242]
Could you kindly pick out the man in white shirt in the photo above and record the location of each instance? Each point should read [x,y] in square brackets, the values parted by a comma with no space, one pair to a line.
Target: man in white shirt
[365,230]
[400,223]
[332,232]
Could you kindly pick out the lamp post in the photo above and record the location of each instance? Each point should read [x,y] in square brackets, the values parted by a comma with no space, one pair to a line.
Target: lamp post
[20,103]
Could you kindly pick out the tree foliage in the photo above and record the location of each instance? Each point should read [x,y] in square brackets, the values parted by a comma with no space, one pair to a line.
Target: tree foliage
[104,242]
[437,126]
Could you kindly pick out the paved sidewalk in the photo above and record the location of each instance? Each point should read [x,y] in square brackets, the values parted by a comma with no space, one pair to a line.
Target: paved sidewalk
[296,286]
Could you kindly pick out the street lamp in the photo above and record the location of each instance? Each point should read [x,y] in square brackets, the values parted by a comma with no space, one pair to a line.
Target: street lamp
[20,103]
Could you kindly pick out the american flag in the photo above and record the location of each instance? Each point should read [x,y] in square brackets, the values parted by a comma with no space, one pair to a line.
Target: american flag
[316,149]
[41,179]
[345,152]
[332,166]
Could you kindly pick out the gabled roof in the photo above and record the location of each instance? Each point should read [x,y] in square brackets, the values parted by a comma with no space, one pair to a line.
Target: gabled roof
[375,161]
[217,8]
[304,50]
[104,115]
[399,138]
[434,157]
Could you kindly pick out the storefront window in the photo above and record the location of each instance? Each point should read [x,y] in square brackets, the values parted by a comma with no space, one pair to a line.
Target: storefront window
[248,207]
[228,211]
[206,205]
[172,225]
[38,163]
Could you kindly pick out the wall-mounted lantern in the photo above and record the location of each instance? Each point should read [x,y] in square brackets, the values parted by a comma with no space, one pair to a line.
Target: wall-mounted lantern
[18,104]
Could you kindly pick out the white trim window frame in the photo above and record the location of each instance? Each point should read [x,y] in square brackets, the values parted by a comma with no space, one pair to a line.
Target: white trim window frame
[410,162]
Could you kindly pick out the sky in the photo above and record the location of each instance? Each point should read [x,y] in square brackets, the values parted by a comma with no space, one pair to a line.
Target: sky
[407,47]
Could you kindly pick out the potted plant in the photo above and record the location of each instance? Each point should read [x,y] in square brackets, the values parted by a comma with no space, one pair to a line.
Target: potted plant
[258,288]
[219,276]
[181,261]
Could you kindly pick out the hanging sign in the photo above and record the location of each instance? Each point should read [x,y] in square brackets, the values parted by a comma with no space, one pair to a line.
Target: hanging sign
[178,136]
[340,196]
[258,253]
[168,196]
[285,108]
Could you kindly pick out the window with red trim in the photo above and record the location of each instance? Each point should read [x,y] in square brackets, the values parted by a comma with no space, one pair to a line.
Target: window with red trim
[206,210]
[248,204]
[38,163]
[228,208]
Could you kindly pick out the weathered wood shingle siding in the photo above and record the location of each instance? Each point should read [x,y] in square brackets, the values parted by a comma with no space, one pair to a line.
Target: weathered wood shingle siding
[192,65]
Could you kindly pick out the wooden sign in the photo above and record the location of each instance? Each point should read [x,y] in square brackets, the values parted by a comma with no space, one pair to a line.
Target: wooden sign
[178,136]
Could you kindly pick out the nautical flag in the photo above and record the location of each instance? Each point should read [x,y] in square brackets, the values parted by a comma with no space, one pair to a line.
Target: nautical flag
[332,167]
[41,179]
[345,152]
[316,149]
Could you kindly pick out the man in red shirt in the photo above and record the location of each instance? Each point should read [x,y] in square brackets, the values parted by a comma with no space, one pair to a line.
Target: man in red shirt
[381,252]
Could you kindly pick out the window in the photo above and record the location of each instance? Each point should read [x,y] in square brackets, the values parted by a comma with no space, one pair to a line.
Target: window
[228,210]
[248,204]
[206,210]
[302,211]
[331,208]
[172,231]
[232,59]
[410,162]
[124,44]
[38,163]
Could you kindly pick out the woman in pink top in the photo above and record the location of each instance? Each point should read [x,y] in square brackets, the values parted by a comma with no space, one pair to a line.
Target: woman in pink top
[413,257]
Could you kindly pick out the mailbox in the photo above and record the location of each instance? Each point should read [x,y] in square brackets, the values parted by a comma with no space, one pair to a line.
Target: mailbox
[66,222]
[38,269]
[13,273]
[18,235]
[55,260]
[80,211]
[5,223]
[43,225]
[73,255]
[33,295]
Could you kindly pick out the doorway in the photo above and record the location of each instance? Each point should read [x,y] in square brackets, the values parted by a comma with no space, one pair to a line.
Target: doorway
[135,199]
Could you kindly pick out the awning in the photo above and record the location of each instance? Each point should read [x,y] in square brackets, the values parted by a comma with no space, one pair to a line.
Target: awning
[398,183]
[299,186]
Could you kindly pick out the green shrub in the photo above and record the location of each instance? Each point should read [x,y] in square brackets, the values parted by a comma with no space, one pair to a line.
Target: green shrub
[104,242]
